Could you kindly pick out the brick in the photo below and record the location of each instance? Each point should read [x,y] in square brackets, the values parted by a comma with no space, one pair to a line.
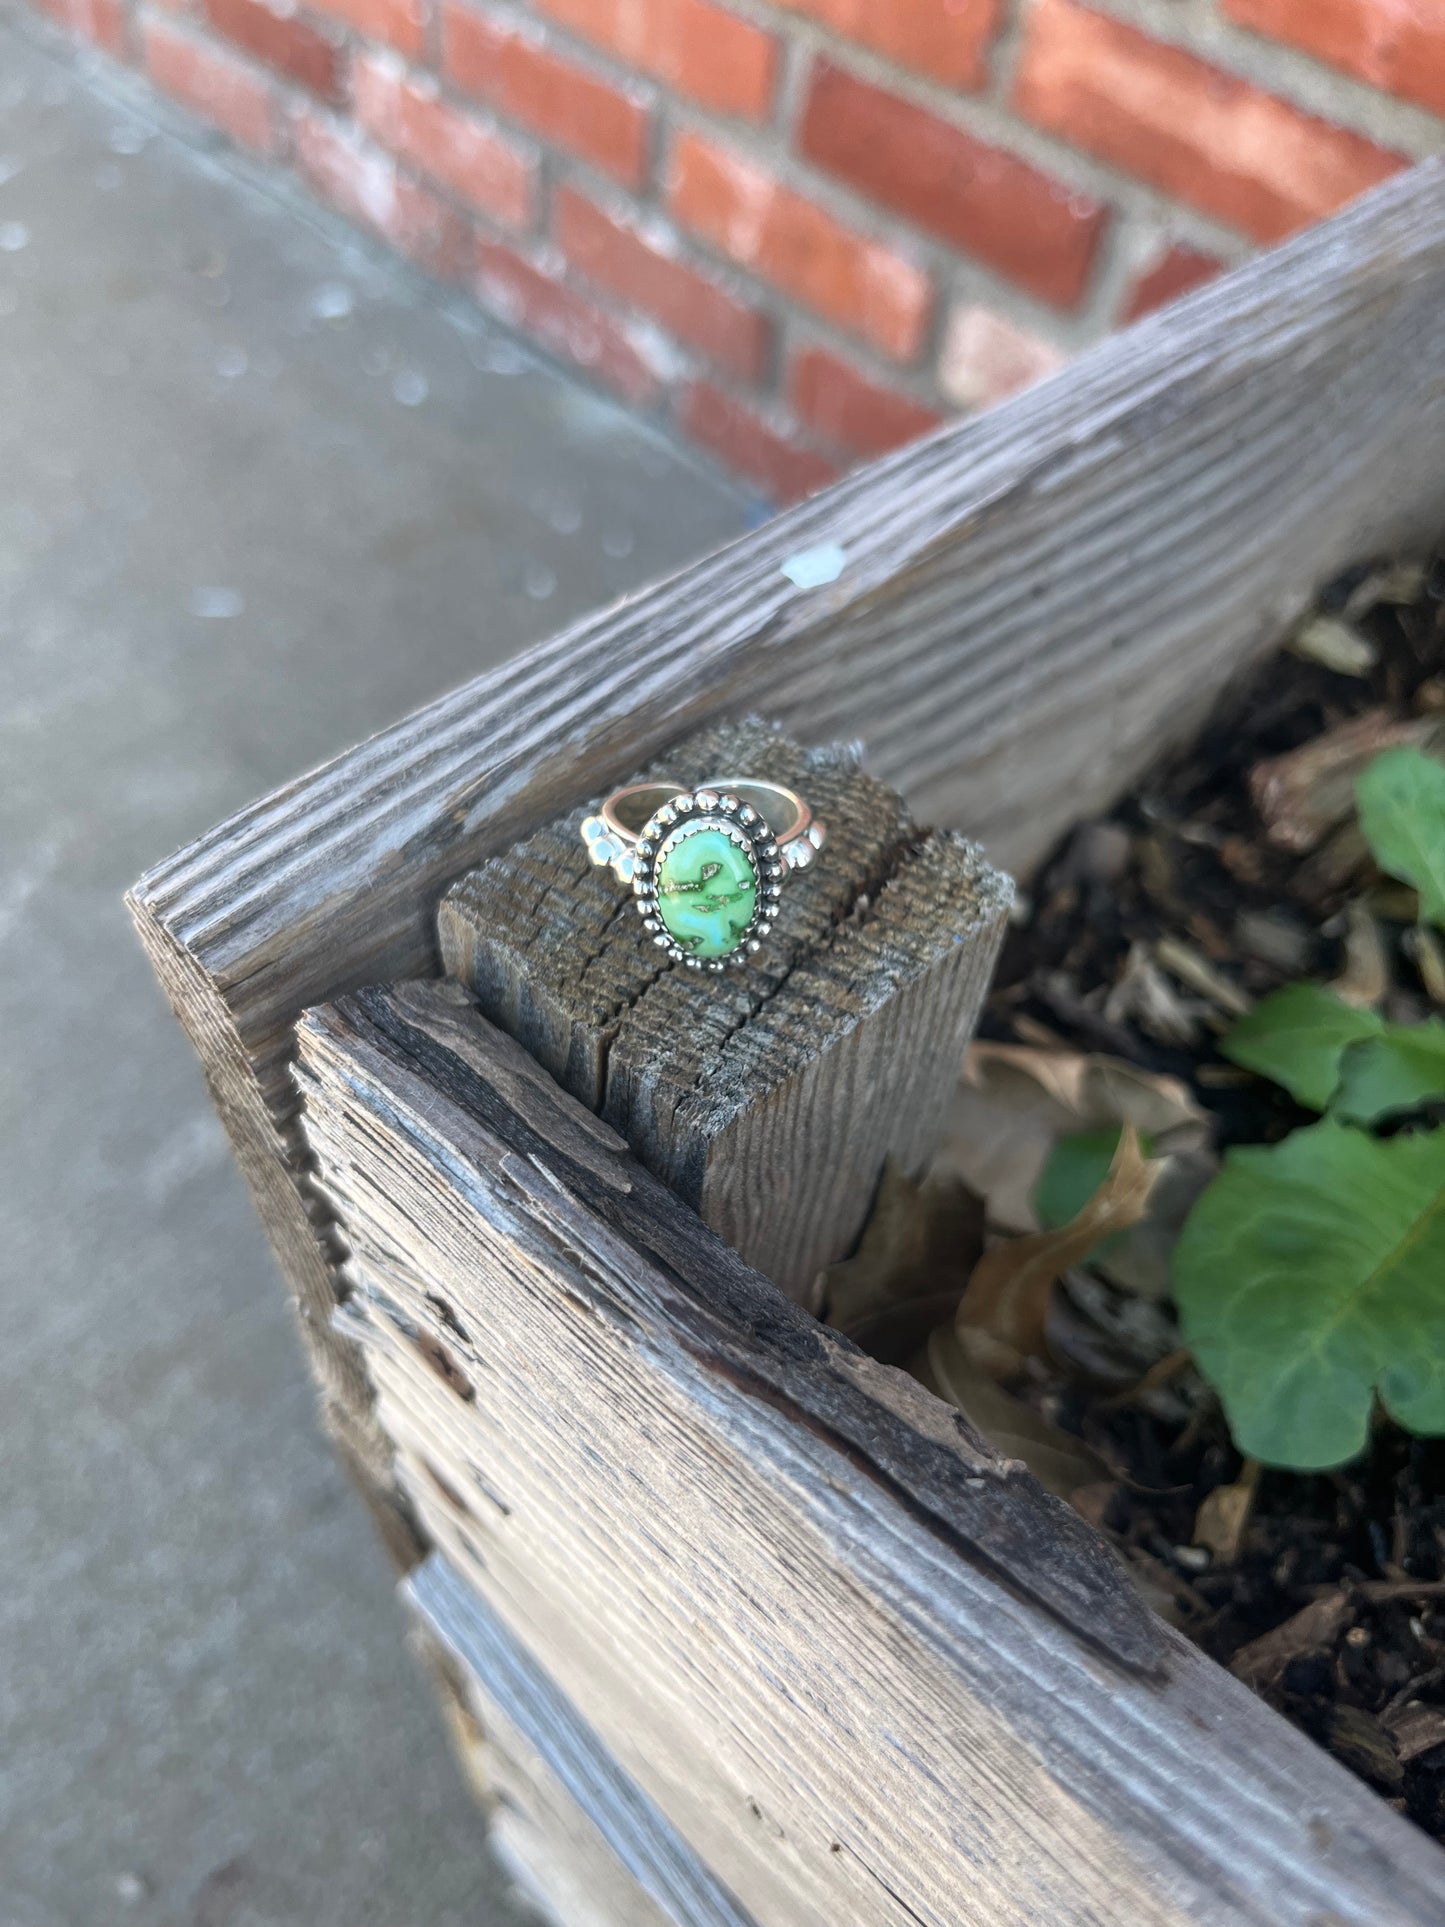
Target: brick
[538,304]
[368,187]
[1219,143]
[756,220]
[410,120]
[294,48]
[739,437]
[699,50]
[514,71]
[646,273]
[212,83]
[843,406]
[1397,45]
[945,39]
[1174,273]
[986,358]
[1030,227]
[394,23]
[99,21]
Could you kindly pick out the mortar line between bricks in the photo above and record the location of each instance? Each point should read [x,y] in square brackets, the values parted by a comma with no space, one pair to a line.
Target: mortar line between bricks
[1297,78]
[1142,220]
[856,210]
[981,120]
[1069,329]
[774,147]
[132,92]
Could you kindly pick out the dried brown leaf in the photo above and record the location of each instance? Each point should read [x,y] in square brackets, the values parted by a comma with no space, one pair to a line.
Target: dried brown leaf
[1012,1285]
[1428,955]
[920,1244]
[1095,1501]
[1415,1730]
[1161,1373]
[1059,1462]
[1365,980]
[1397,583]
[1358,1739]
[1304,794]
[1222,1517]
[1340,863]
[1015,1101]
[1196,972]
[1313,1629]
[1144,996]
[1335,645]
[1275,938]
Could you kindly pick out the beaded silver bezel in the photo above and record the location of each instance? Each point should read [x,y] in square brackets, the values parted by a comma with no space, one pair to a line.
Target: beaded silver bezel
[683,815]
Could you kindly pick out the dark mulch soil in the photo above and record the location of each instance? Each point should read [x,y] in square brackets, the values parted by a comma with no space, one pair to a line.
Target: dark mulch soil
[1345,1570]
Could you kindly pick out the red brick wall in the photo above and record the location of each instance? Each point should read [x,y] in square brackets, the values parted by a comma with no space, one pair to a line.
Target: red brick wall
[803,230]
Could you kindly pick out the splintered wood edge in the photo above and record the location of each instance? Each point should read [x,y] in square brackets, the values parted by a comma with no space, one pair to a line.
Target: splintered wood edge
[1223,1813]
[699,1293]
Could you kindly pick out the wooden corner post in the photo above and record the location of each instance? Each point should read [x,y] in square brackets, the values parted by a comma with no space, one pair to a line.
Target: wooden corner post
[754,1611]
[768,1098]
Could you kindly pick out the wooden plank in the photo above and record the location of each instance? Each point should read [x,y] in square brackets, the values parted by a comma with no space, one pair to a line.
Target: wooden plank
[565,1868]
[662,1880]
[849,1679]
[771,1098]
[988,1504]
[1030,605]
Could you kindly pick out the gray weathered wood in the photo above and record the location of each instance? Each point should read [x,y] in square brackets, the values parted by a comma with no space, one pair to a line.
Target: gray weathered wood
[769,1099]
[554,1848]
[862,1686]
[1031,604]
[529,1717]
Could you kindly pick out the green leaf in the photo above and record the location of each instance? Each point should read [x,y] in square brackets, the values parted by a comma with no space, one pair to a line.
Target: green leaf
[1075,1168]
[1401,799]
[1297,1037]
[1311,1278]
[1398,1071]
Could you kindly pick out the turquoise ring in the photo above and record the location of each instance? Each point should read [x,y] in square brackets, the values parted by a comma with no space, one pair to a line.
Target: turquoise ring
[706,866]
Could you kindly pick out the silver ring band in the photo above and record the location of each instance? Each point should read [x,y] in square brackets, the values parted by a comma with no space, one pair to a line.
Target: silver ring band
[706,866]
[611,835]
[627,810]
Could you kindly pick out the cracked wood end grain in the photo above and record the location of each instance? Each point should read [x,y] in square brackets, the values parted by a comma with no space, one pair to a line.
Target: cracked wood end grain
[768,1098]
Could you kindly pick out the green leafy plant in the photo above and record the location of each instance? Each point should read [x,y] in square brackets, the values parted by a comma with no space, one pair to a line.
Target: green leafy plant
[1075,1172]
[1310,1276]
[1401,801]
[1310,1279]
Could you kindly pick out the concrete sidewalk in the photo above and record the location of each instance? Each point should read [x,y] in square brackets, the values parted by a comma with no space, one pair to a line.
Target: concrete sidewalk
[260,492]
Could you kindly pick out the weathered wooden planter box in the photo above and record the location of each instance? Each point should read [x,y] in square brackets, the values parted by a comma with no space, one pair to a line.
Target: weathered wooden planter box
[737,1625]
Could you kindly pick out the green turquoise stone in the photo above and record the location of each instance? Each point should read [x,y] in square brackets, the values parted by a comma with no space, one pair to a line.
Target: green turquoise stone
[706,892]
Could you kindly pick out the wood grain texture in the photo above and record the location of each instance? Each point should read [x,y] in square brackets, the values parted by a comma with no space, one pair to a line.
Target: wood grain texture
[788,1623]
[538,1748]
[1032,604]
[1026,598]
[771,1098]
[557,1856]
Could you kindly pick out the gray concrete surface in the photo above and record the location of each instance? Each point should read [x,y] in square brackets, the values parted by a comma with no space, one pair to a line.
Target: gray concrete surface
[260,492]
